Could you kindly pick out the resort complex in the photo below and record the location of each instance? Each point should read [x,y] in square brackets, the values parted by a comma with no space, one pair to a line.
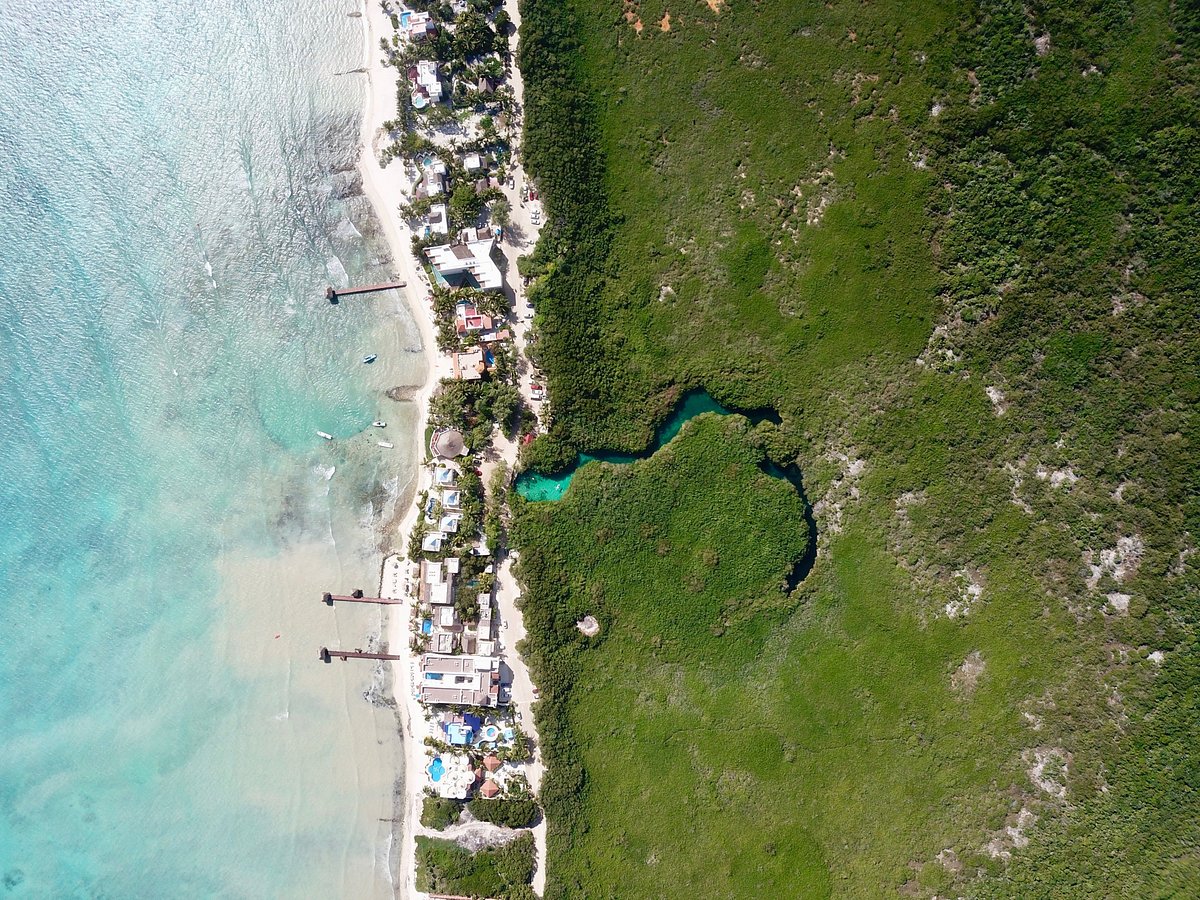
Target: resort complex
[464,694]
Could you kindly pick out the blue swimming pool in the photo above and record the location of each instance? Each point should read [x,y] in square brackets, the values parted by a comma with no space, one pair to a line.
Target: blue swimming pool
[435,769]
[426,626]
[404,17]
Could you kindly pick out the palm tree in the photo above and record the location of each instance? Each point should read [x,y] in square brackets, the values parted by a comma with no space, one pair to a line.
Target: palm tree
[501,212]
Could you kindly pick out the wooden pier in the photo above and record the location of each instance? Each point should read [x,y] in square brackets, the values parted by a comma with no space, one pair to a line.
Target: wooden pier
[327,655]
[332,294]
[357,597]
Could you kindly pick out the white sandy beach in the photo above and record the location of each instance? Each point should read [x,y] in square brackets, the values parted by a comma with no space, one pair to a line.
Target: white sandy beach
[386,187]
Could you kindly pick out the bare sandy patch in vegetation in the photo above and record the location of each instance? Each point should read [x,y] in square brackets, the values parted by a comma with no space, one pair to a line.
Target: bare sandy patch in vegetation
[1118,603]
[842,489]
[970,592]
[856,86]
[665,24]
[632,17]
[716,5]
[966,676]
[1012,836]
[1119,562]
[1056,477]
[1048,769]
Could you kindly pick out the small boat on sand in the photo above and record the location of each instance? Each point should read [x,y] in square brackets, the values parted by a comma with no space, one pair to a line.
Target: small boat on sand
[326,435]
[380,424]
[387,445]
[370,357]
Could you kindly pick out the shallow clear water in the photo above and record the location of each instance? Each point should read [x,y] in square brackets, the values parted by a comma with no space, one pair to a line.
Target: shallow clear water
[171,209]
[536,486]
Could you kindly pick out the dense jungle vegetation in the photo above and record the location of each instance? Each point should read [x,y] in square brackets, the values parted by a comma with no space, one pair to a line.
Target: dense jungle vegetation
[501,872]
[955,247]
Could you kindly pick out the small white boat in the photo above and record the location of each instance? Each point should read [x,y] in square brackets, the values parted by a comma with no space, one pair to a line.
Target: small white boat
[380,424]
[370,357]
[328,437]
[387,445]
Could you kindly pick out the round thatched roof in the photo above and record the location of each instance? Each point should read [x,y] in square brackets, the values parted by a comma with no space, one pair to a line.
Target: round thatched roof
[447,443]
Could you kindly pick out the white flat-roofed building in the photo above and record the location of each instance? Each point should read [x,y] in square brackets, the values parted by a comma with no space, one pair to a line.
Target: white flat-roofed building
[428,81]
[437,220]
[460,680]
[485,615]
[468,264]
[440,595]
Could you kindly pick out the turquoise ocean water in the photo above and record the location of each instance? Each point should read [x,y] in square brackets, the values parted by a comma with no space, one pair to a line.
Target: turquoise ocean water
[176,189]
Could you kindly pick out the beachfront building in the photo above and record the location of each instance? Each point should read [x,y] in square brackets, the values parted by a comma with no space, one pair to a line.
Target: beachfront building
[433,184]
[447,443]
[460,728]
[437,220]
[469,320]
[466,264]
[432,542]
[426,83]
[418,26]
[469,366]
[473,162]
[462,680]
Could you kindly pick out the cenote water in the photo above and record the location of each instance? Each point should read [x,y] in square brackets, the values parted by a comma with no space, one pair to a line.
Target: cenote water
[536,486]
[178,188]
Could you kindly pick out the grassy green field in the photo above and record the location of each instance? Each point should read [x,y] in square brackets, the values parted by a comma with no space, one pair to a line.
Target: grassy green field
[979,329]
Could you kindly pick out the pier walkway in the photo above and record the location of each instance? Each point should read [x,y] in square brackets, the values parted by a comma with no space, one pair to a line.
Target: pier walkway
[357,597]
[327,655]
[332,294]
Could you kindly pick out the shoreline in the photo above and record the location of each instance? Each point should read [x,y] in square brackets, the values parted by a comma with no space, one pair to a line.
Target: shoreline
[385,187]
